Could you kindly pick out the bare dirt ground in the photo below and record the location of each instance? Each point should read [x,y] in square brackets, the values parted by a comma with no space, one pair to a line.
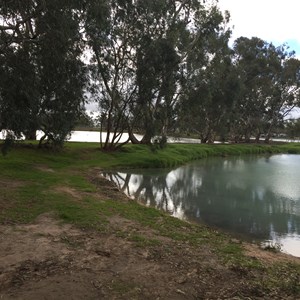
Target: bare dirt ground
[47,260]
[51,260]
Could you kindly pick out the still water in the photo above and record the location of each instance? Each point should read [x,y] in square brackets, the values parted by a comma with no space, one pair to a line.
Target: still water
[257,198]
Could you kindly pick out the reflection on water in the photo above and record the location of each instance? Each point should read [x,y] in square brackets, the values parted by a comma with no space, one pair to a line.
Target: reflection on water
[254,197]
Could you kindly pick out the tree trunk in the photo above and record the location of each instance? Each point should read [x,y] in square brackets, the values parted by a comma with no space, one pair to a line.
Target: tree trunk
[204,140]
[132,137]
[30,135]
[267,139]
[146,140]
[257,138]
[268,136]
[247,137]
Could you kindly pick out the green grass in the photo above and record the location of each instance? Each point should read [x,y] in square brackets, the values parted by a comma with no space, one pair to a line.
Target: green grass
[142,241]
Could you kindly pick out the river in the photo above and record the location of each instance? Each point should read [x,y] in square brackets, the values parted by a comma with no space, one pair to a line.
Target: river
[94,136]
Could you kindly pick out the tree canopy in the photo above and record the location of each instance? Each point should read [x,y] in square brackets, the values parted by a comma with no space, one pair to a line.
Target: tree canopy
[41,71]
[156,67]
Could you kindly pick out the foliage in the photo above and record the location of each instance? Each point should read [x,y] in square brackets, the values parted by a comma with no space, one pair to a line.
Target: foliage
[270,87]
[242,92]
[292,129]
[212,87]
[85,121]
[141,69]
[42,76]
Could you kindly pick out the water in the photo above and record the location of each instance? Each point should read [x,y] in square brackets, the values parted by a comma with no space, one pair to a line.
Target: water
[257,198]
[94,136]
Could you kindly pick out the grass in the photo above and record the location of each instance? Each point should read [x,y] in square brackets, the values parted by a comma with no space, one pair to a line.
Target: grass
[30,185]
[142,241]
[36,174]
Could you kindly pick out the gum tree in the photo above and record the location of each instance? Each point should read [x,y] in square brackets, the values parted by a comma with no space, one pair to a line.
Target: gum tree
[42,76]
[141,61]
[269,77]
[210,81]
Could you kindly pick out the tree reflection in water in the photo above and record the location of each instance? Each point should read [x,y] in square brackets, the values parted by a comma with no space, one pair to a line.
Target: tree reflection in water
[257,197]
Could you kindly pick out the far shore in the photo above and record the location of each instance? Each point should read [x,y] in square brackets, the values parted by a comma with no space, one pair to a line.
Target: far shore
[93,136]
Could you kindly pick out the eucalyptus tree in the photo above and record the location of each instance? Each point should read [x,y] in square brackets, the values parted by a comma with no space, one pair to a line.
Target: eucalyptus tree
[18,84]
[18,92]
[110,38]
[133,62]
[252,62]
[269,77]
[62,73]
[190,34]
[42,74]
[160,53]
[292,129]
[285,89]
[140,57]
[211,83]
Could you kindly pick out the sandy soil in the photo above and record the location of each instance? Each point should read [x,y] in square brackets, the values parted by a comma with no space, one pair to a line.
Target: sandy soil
[48,260]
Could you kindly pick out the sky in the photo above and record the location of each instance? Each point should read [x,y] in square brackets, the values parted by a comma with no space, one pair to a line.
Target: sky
[271,20]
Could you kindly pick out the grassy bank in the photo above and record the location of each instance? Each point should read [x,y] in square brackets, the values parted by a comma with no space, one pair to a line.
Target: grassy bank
[66,184]
[37,173]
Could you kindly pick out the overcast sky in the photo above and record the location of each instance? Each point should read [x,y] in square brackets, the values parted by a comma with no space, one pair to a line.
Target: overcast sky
[271,20]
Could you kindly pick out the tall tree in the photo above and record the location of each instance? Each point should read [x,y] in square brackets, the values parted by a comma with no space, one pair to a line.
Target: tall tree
[43,76]
[285,90]
[163,27]
[210,81]
[270,86]
[18,84]
[141,57]
[108,30]
[61,71]
[251,60]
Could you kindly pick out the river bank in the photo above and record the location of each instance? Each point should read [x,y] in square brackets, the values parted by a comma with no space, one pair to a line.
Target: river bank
[67,233]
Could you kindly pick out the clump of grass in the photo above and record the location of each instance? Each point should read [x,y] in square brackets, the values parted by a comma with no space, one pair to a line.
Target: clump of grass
[142,241]
[282,277]
[122,287]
